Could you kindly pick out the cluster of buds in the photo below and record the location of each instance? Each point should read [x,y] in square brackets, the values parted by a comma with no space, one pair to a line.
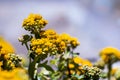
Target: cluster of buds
[11,61]
[92,72]
[100,64]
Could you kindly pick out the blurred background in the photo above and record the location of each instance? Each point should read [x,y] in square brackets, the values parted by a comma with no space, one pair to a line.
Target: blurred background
[96,23]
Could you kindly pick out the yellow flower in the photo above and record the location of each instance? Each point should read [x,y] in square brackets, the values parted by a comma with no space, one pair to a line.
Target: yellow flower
[74,42]
[16,74]
[78,69]
[71,72]
[69,41]
[71,65]
[34,22]
[82,62]
[86,62]
[5,47]
[110,53]
[43,45]
[50,34]
[38,50]
[113,71]
[77,60]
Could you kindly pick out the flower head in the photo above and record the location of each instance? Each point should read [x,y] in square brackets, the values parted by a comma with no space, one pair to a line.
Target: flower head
[34,23]
[76,67]
[110,53]
[50,34]
[43,45]
[69,41]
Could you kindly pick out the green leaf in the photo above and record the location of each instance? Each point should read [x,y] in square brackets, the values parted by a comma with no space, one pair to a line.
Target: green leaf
[47,67]
[78,76]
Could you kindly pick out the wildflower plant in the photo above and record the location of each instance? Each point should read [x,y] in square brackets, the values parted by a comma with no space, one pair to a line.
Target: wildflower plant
[42,44]
[51,55]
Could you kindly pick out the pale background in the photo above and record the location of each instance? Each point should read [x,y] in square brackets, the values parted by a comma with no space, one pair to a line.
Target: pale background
[96,23]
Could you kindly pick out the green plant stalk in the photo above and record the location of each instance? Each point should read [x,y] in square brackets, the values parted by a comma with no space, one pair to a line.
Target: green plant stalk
[29,53]
[69,74]
[30,77]
[109,69]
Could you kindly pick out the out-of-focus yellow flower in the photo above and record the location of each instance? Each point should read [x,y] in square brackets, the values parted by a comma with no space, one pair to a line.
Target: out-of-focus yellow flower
[77,60]
[86,62]
[81,62]
[16,74]
[110,53]
[10,61]
[113,71]
[71,72]
[71,65]
[38,50]
[5,47]
[78,69]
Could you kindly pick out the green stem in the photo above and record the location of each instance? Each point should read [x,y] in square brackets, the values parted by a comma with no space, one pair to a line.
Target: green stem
[109,69]
[27,46]
[30,77]
[69,73]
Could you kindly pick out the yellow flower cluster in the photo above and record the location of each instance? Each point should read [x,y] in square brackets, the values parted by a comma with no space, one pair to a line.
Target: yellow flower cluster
[110,53]
[113,71]
[5,47]
[50,34]
[34,22]
[52,42]
[42,46]
[81,63]
[11,61]
[69,41]
[16,74]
